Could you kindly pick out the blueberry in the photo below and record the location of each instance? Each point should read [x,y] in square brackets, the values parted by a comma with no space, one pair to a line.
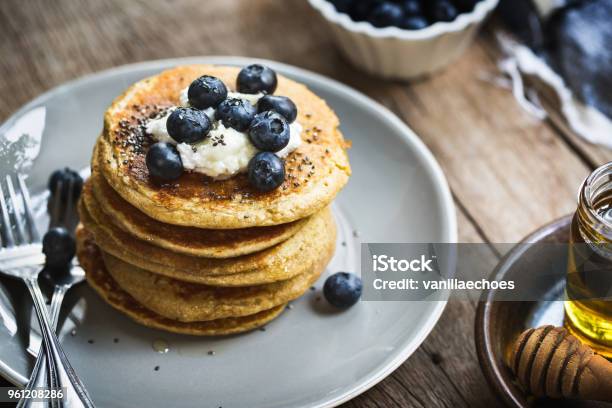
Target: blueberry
[256,78]
[280,104]
[206,92]
[442,10]
[236,113]
[269,131]
[412,7]
[342,6]
[360,10]
[164,161]
[342,289]
[65,176]
[59,247]
[266,171]
[386,14]
[414,23]
[465,5]
[188,125]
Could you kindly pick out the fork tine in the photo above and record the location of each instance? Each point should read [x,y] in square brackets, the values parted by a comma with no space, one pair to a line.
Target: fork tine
[68,209]
[7,233]
[20,235]
[56,205]
[25,195]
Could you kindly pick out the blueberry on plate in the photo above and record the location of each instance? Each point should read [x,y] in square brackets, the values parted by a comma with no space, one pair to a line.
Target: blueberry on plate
[206,92]
[386,14]
[412,7]
[256,78]
[342,289]
[59,247]
[414,23]
[236,113]
[164,161]
[280,104]
[266,171]
[442,10]
[269,131]
[188,125]
[65,176]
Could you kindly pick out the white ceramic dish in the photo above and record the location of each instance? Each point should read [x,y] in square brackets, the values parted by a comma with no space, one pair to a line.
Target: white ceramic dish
[309,356]
[395,53]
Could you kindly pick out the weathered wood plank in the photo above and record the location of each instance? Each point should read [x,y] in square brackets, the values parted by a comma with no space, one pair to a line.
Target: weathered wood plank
[511,172]
[52,42]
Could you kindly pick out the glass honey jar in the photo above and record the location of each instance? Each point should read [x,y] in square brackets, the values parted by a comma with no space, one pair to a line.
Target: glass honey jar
[588,306]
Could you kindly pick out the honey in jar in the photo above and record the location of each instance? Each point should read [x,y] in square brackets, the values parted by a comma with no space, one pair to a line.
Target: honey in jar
[588,308]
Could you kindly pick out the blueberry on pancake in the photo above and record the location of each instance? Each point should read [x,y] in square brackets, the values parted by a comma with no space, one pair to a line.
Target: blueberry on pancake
[280,104]
[256,78]
[269,132]
[206,92]
[236,113]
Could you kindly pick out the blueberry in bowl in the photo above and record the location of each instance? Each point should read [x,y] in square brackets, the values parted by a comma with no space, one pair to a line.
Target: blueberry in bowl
[412,7]
[403,39]
[392,13]
[442,10]
[414,23]
[386,14]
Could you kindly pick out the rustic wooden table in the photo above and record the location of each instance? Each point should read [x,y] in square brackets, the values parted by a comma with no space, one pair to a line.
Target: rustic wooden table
[509,173]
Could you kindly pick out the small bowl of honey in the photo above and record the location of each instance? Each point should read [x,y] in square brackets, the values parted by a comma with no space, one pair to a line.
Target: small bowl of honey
[564,272]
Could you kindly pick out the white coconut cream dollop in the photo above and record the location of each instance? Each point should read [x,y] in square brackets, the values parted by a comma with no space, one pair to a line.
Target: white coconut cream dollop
[225,152]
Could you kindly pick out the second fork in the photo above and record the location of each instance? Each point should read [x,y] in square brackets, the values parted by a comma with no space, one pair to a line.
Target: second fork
[14,263]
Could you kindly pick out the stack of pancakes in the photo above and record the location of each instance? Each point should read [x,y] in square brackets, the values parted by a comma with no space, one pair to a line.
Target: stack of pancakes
[203,256]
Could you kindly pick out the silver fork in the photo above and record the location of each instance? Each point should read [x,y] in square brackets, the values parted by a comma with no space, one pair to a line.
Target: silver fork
[62,214]
[21,257]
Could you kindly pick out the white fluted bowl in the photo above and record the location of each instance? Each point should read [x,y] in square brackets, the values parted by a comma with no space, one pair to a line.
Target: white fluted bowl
[396,53]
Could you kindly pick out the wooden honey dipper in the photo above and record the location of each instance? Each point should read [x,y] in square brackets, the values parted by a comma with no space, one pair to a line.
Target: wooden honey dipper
[550,362]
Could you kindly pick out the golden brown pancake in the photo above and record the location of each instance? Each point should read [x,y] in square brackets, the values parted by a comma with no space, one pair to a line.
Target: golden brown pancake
[186,240]
[190,302]
[99,279]
[283,261]
[316,171]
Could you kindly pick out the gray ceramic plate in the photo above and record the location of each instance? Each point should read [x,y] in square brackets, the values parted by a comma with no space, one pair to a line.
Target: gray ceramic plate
[309,356]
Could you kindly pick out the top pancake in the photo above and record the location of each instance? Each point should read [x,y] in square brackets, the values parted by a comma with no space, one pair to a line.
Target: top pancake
[316,171]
